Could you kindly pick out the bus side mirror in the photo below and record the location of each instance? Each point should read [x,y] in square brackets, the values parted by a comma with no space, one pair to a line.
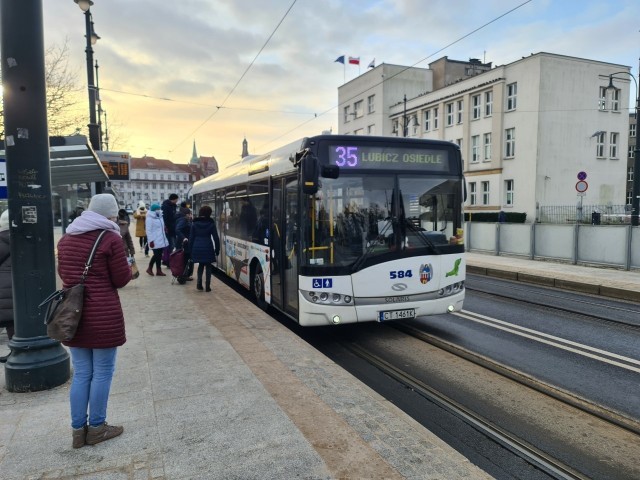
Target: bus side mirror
[310,172]
[464,191]
[330,171]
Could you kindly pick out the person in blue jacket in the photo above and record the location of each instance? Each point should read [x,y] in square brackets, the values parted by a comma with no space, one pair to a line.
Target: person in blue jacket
[205,245]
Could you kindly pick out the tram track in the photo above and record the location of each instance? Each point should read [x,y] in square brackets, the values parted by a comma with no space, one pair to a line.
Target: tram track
[579,306]
[527,452]
[606,414]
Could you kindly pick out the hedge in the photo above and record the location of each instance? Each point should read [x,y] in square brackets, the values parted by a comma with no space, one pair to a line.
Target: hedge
[492,217]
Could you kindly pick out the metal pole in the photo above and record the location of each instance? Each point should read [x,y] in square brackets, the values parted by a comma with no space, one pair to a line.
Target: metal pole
[99,102]
[94,134]
[635,191]
[36,361]
[404,118]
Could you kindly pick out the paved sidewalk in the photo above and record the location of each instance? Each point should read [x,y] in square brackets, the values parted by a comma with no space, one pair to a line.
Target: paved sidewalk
[208,386]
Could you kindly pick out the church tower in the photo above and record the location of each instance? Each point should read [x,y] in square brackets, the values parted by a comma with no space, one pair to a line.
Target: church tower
[245,148]
[194,156]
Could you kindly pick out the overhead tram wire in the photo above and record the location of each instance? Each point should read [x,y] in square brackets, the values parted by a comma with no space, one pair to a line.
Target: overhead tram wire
[240,79]
[403,70]
[166,99]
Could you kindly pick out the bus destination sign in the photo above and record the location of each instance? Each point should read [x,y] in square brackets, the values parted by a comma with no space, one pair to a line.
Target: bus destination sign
[375,157]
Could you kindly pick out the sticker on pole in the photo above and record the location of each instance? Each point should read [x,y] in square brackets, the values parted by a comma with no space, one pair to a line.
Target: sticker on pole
[581,186]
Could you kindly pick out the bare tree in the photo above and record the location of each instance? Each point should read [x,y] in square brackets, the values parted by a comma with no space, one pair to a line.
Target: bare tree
[64,99]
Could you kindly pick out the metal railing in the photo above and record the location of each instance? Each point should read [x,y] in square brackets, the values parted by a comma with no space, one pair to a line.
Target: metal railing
[585,214]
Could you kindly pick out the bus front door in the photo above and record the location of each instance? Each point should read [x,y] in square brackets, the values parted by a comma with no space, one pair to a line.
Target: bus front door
[291,243]
[276,240]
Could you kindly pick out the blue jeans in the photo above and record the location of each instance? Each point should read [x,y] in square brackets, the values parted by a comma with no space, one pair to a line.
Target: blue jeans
[92,373]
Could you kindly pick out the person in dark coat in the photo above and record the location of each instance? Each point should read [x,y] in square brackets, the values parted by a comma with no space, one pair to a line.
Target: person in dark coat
[183,230]
[101,330]
[169,217]
[127,241]
[6,282]
[205,244]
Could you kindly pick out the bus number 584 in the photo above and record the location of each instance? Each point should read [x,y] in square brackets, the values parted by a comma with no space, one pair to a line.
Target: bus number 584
[400,274]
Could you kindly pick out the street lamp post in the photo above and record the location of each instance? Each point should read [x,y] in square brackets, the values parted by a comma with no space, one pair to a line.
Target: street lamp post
[635,191]
[92,38]
[99,102]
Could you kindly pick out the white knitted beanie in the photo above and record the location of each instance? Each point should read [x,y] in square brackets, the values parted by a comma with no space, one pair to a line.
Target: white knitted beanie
[105,204]
[4,221]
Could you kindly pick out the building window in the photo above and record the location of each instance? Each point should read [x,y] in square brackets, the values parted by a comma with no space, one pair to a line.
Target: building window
[371,130]
[602,99]
[359,131]
[427,120]
[632,151]
[460,111]
[138,176]
[477,107]
[632,129]
[347,113]
[415,125]
[487,146]
[630,174]
[613,145]
[510,143]
[488,104]
[512,95]
[449,108]
[371,104]
[629,196]
[396,128]
[508,189]
[358,108]
[485,193]
[600,144]
[435,118]
[475,148]
[161,176]
[472,193]
[146,176]
[615,100]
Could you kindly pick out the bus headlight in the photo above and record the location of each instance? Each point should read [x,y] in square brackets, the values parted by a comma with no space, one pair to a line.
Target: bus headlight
[336,319]
[327,298]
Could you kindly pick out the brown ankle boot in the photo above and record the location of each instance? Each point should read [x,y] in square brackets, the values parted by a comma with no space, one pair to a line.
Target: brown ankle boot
[79,437]
[101,433]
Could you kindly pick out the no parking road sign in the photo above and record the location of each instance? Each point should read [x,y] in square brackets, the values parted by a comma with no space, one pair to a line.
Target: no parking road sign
[581,186]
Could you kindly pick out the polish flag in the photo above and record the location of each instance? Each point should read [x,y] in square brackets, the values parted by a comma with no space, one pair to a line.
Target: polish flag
[354,60]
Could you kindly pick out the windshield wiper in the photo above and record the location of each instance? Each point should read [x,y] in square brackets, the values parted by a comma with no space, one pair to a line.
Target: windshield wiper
[361,259]
[422,236]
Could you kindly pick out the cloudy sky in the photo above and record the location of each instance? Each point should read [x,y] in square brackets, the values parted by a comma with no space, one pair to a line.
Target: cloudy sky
[166,66]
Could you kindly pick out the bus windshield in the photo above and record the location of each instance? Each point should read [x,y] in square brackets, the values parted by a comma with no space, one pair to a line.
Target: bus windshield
[356,219]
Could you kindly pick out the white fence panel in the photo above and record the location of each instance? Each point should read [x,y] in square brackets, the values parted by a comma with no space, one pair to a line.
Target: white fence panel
[554,241]
[515,238]
[602,244]
[635,247]
[482,236]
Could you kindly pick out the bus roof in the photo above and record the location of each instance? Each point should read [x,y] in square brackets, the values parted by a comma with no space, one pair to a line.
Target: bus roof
[273,163]
[280,161]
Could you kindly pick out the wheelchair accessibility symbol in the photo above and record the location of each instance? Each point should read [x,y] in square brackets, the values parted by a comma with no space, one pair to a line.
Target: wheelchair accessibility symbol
[322,282]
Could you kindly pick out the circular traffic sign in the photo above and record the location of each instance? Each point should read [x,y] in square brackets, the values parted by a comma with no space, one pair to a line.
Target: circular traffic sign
[582,175]
[581,186]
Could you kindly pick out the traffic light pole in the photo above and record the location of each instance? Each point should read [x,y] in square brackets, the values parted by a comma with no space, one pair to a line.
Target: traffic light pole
[36,361]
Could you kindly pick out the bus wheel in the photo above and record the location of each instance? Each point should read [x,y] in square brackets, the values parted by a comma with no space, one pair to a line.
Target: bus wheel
[257,289]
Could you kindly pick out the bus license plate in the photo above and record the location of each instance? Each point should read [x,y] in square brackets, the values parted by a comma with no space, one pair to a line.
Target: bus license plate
[397,314]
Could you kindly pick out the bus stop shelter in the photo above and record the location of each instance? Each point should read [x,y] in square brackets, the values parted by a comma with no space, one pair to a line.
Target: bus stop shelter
[74,167]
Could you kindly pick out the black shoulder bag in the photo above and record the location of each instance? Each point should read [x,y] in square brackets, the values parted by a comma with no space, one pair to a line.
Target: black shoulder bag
[64,306]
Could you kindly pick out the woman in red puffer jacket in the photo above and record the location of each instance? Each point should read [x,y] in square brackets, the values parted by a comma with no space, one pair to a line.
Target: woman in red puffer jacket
[101,329]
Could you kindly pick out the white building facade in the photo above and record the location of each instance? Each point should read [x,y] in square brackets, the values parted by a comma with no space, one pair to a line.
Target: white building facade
[525,129]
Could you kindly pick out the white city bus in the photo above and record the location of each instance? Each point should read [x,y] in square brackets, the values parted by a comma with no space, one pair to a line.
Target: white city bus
[341,229]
